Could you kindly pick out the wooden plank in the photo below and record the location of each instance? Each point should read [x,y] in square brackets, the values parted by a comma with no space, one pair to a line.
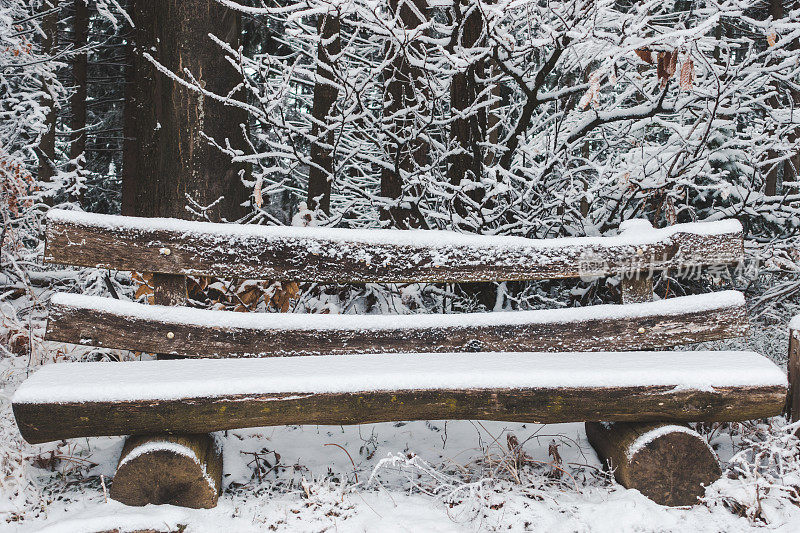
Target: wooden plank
[108,323]
[53,421]
[169,289]
[329,255]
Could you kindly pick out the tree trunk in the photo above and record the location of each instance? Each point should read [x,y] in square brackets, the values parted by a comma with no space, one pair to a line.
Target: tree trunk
[468,129]
[80,27]
[320,175]
[791,165]
[130,175]
[492,155]
[785,169]
[176,166]
[47,145]
[467,133]
[403,93]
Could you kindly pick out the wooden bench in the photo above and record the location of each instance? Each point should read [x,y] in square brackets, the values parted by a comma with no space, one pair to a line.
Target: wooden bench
[587,364]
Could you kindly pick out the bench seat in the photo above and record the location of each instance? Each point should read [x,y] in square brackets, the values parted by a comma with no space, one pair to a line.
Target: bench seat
[67,400]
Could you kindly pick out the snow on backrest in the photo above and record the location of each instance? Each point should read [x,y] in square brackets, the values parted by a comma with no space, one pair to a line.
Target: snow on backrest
[337,255]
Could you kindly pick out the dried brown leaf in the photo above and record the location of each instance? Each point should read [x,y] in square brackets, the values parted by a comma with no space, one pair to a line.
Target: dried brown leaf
[687,74]
[645,55]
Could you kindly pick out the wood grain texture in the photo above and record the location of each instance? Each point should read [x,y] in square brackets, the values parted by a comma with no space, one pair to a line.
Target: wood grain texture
[43,422]
[160,475]
[672,469]
[93,327]
[126,246]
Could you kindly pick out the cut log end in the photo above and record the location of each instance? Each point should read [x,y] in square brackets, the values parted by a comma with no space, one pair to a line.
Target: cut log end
[183,470]
[669,464]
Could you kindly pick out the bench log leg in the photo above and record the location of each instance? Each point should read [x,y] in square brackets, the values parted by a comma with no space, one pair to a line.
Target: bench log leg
[181,469]
[793,398]
[669,464]
[184,470]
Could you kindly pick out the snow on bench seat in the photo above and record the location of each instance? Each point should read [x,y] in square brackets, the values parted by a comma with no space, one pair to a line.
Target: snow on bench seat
[111,323]
[200,395]
[326,255]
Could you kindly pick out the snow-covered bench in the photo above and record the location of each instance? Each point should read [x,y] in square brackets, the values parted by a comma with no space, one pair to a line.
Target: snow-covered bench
[355,369]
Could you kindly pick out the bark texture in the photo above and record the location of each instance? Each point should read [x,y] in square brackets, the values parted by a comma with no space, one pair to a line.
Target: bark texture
[404,86]
[320,174]
[175,162]
[77,102]
[637,288]
[793,400]
[468,129]
[47,145]
[130,157]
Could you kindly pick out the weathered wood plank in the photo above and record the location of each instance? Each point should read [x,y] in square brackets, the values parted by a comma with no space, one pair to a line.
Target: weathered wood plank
[53,421]
[109,323]
[329,255]
[669,464]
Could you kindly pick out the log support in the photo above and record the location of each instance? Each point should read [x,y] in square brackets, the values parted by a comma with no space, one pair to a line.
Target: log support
[184,470]
[669,464]
[793,398]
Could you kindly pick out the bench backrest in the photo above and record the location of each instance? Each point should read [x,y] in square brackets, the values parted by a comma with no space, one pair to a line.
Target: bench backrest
[179,248]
